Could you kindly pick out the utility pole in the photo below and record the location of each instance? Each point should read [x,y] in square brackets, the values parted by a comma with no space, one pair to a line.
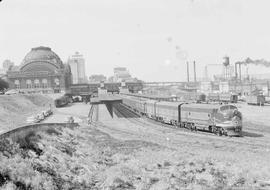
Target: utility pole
[240,80]
[235,71]
[268,88]
[194,67]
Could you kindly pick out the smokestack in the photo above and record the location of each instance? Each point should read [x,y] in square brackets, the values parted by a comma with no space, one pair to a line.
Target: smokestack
[240,71]
[206,72]
[194,66]
[187,72]
[235,71]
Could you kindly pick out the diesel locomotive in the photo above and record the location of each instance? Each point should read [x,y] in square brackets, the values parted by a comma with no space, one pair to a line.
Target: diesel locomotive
[215,118]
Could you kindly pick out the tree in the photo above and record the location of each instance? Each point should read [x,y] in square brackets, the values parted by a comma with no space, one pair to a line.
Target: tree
[3,84]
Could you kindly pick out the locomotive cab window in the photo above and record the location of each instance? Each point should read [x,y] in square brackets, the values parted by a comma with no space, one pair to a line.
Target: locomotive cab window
[232,107]
[224,108]
[227,107]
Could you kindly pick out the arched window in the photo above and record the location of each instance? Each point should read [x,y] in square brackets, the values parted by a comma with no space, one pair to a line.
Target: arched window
[44,83]
[56,81]
[17,84]
[28,83]
[36,83]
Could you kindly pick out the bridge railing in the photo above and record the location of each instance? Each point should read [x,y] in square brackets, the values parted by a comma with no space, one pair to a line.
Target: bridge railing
[23,131]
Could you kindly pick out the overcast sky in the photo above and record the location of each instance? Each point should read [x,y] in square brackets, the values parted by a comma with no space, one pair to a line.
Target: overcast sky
[152,38]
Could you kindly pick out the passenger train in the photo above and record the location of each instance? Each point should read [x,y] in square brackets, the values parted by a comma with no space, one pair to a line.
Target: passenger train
[216,118]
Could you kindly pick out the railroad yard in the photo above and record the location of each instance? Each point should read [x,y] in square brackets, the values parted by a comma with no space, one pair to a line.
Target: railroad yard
[134,95]
[130,152]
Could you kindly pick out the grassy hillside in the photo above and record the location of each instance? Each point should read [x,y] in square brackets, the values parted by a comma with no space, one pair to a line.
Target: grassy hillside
[14,109]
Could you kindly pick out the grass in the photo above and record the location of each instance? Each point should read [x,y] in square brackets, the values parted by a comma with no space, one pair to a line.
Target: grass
[85,158]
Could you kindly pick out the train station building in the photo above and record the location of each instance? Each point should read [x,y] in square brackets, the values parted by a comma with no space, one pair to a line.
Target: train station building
[41,71]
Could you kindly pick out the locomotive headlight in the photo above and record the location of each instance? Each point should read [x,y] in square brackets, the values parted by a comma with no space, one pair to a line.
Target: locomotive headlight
[235,122]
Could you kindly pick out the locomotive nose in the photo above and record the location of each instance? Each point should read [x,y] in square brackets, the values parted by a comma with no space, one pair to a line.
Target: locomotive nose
[228,114]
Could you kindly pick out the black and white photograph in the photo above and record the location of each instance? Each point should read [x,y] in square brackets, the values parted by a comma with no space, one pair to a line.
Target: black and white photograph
[134,95]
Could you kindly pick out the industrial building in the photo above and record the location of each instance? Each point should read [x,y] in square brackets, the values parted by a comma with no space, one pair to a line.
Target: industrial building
[235,78]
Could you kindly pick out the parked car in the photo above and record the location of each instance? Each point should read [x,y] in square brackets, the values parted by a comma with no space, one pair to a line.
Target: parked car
[32,119]
[50,112]
[46,113]
[77,99]
[40,116]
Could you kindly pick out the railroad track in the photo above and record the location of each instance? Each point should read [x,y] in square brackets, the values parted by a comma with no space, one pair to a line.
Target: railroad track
[99,124]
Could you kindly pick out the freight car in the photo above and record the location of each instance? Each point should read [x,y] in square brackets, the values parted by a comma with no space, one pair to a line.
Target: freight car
[222,97]
[62,101]
[200,98]
[213,97]
[255,100]
[215,118]
[227,97]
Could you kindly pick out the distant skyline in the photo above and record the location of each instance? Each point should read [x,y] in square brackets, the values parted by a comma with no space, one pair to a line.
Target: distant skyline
[152,38]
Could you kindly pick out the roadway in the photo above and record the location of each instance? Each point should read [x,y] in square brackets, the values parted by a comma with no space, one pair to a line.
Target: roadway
[79,111]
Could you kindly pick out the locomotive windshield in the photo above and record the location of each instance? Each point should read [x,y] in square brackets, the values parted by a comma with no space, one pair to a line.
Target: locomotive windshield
[227,107]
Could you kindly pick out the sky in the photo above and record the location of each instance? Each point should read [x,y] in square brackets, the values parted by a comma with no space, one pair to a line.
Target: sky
[152,38]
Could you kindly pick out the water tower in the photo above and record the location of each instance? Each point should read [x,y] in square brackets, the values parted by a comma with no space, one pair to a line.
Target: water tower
[226,67]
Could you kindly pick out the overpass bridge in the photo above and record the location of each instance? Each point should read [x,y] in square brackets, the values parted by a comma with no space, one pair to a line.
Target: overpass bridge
[92,88]
[108,100]
[133,87]
[184,85]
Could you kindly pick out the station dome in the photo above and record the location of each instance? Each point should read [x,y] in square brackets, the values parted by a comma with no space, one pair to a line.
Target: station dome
[41,59]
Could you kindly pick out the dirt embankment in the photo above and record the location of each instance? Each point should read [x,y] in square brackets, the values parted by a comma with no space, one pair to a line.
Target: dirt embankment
[14,109]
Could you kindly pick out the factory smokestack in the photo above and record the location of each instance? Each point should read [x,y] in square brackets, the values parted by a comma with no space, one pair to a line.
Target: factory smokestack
[240,72]
[194,66]
[235,71]
[187,72]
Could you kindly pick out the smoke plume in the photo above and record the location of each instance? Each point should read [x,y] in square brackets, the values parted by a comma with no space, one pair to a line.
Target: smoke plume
[255,62]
